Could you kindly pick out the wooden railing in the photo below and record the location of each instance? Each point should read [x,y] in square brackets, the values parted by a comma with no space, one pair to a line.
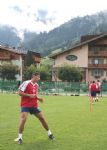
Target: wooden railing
[97,66]
[98,54]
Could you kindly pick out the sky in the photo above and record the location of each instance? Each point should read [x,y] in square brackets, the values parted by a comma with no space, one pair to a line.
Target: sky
[45,15]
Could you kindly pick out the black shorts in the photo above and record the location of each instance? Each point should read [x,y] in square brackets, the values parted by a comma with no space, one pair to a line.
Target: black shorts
[93,93]
[98,92]
[31,110]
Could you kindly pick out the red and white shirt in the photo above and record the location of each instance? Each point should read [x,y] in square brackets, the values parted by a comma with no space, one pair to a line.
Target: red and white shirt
[93,87]
[98,86]
[29,88]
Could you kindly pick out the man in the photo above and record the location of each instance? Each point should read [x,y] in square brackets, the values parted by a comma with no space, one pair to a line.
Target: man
[98,89]
[93,89]
[28,91]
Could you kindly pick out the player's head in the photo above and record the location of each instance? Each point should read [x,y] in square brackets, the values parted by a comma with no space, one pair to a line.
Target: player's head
[36,76]
[93,82]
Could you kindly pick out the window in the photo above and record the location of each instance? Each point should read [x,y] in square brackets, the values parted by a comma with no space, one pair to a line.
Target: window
[95,48]
[97,61]
[97,72]
[71,57]
[98,48]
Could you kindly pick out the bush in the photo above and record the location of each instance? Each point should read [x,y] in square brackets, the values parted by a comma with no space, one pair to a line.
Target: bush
[8,71]
[69,73]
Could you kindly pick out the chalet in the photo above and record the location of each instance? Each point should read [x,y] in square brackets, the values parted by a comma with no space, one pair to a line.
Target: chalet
[17,57]
[90,55]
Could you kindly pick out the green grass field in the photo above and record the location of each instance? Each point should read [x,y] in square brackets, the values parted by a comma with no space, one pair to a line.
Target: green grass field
[69,117]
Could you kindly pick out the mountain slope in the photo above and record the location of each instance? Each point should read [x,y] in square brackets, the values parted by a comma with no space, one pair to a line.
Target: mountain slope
[67,34]
[60,38]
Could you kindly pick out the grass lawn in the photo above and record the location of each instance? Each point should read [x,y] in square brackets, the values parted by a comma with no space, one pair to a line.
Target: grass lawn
[69,118]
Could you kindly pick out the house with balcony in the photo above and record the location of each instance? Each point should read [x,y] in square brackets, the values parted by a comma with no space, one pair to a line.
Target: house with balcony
[18,57]
[90,55]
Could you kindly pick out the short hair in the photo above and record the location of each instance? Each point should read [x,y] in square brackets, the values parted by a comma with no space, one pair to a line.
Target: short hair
[35,74]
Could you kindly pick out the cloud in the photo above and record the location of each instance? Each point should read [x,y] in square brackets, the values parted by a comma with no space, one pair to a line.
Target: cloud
[17,9]
[44,16]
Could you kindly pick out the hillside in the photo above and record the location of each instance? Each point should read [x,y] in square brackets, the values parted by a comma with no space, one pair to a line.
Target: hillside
[67,34]
[60,38]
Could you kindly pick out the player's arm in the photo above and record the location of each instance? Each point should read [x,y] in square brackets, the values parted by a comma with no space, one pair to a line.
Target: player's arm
[22,88]
[21,93]
[40,98]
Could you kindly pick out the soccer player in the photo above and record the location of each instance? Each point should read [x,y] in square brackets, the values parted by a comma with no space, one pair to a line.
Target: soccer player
[93,89]
[28,91]
[98,89]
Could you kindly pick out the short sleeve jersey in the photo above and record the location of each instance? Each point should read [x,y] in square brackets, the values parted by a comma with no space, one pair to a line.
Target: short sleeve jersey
[93,87]
[29,88]
[98,86]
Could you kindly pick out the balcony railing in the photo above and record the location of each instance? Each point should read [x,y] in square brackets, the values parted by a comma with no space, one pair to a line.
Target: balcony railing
[101,66]
[97,53]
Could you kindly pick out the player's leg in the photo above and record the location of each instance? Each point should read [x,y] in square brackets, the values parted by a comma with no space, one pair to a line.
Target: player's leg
[41,117]
[42,120]
[97,95]
[23,118]
[92,96]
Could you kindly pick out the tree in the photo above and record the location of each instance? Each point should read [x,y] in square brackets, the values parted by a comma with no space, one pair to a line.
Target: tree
[46,69]
[29,59]
[29,70]
[69,73]
[8,71]
[44,72]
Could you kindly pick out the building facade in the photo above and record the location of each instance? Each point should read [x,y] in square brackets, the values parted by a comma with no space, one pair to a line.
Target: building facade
[18,58]
[90,55]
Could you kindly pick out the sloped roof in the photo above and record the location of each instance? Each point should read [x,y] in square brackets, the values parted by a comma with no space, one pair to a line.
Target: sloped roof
[34,53]
[17,51]
[80,44]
